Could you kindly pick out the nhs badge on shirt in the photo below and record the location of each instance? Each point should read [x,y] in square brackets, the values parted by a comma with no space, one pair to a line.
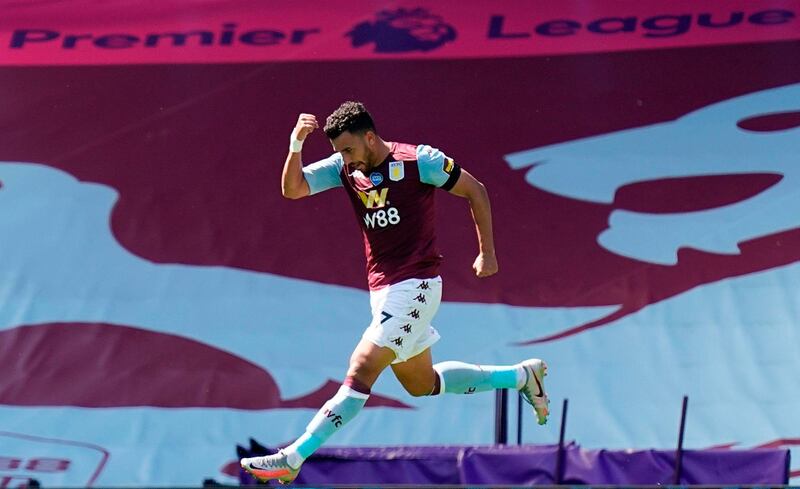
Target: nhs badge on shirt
[376,178]
[396,171]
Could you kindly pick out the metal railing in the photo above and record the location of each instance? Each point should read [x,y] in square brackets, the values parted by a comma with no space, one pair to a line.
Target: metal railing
[501,432]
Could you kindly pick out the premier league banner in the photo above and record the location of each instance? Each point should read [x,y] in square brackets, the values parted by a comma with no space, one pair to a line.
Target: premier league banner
[161,301]
[83,32]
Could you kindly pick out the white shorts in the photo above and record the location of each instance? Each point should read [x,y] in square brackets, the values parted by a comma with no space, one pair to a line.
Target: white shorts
[402,314]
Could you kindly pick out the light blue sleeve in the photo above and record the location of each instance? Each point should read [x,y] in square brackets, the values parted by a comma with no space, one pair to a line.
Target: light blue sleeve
[324,174]
[435,168]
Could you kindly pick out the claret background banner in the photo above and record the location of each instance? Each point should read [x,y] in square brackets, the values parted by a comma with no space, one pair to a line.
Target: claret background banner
[160,301]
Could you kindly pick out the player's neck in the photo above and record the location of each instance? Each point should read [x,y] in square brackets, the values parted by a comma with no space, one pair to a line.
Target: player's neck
[382,151]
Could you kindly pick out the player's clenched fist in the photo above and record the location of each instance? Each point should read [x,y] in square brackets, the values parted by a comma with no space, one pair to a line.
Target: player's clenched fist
[306,123]
[485,265]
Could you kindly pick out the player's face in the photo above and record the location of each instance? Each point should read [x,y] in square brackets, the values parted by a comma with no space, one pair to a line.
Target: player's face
[357,150]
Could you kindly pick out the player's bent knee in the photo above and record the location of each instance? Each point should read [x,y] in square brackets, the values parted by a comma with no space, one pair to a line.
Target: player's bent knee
[419,393]
[366,372]
[362,375]
[357,385]
[419,390]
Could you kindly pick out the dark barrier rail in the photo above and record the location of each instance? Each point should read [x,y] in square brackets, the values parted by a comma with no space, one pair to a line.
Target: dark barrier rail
[679,451]
[561,439]
[501,432]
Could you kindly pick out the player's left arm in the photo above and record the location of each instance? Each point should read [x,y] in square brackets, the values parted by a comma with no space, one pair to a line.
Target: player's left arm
[475,192]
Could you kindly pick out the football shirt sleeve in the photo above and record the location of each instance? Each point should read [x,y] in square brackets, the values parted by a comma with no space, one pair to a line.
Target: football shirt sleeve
[435,168]
[324,174]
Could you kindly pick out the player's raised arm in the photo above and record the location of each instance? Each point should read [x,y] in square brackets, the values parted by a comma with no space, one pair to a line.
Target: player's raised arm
[471,189]
[293,183]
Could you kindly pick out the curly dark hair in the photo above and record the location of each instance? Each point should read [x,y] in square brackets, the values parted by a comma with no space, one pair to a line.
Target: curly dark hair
[350,116]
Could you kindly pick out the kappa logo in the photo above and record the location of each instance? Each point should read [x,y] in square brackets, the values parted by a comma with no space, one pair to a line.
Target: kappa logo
[403,30]
[374,199]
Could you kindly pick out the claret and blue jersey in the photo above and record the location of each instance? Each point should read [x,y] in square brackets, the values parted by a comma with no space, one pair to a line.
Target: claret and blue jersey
[394,205]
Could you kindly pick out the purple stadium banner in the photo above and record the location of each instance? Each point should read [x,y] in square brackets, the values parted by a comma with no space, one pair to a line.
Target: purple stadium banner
[536,465]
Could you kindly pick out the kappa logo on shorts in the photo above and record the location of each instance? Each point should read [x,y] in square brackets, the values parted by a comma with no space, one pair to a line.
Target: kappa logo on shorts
[424,285]
[406,328]
[420,298]
[398,341]
[414,314]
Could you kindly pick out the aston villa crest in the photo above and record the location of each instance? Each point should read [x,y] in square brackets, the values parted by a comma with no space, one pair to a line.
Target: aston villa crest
[396,171]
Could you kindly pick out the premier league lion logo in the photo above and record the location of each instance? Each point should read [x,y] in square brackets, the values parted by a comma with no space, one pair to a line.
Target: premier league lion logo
[403,30]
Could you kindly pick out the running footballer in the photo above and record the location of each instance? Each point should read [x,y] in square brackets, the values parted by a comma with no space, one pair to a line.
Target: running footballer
[391,187]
